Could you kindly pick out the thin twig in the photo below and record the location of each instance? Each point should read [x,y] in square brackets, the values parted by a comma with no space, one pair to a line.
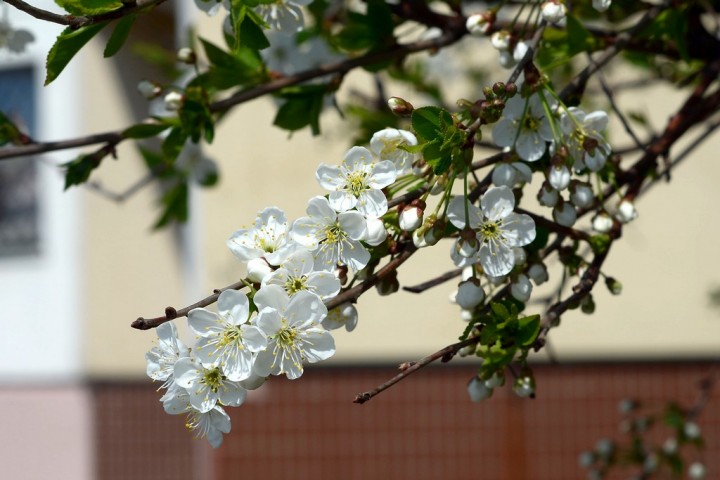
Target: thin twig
[75,22]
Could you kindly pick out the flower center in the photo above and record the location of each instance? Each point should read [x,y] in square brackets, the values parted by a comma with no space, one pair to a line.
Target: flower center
[213,379]
[266,245]
[389,146]
[286,337]
[295,284]
[355,183]
[490,230]
[530,123]
[229,336]
[334,234]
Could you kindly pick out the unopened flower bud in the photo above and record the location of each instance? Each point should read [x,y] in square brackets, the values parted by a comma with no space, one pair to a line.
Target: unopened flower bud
[521,288]
[388,285]
[186,55]
[400,107]
[559,177]
[510,90]
[420,168]
[521,48]
[435,233]
[691,430]
[497,380]
[602,223]
[538,273]
[587,304]
[565,214]
[411,218]
[470,294]
[581,194]
[503,175]
[149,89]
[548,196]
[697,471]
[468,244]
[480,24]
[670,446]
[478,391]
[258,269]
[506,59]
[440,185]
[553,11]
[500,40]
[341,272]
[524,387]
[173,101]
[375,233]
[466,315]
[613,285]
[626,211]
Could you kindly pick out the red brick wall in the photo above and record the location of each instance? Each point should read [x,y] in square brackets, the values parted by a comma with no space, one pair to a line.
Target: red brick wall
[424,427]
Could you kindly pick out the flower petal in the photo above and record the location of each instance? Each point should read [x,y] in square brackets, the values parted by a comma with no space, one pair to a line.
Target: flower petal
[234,306]
[518,229]
[497,203]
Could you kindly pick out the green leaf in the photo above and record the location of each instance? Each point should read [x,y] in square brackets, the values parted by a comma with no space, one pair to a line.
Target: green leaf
[302,108]
[251,32]
[354,37]
[579,39]
[9,133]
[78,171]
[175,206]
[430,122]
[68,43]
[528,329]
[119,35]
[89,7]
[174,142]
[380,19]
[144,130]
[500,311]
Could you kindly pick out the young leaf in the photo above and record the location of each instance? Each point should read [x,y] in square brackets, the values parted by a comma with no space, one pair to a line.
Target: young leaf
[81,8]
[144,130]
[68,43]
[528,329]
[78,171]
[119,35]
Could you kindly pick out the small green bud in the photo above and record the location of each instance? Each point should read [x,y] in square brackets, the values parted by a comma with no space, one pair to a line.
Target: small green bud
[613,285]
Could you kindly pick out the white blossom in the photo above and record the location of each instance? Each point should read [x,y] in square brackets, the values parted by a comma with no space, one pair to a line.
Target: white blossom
[149,89]
[211,424]
[524,386]
[345,315]
[227,339]
[294,331]
[207,385]
[626,211]
[333,237]
[583,137]
[173,101]
[258,269]
[298,274]
[548,196]
[356,183]
[162,358]
[268,238]
[386,144]
[524,127]
[538,273]
[509,174]
[499,229]
[283,15]
[500,40]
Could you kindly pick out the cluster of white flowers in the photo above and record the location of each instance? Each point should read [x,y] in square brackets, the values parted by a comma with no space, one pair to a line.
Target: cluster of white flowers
[292,268]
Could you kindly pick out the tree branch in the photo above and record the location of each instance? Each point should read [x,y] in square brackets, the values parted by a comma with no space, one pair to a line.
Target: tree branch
[76,22]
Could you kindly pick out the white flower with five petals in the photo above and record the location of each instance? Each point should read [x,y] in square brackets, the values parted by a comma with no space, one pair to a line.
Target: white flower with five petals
[269,238]
[211,424]
[161,359]
[386,145]
[294,331]
[227,339]
[333,237]
[583,137]
[498,228]
[298,274]
[357,182]
[524,127]
[206,385]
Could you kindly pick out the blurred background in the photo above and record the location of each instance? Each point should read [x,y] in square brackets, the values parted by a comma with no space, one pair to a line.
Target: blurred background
[77,267]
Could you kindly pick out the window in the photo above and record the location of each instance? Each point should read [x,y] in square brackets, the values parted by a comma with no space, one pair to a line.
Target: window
[19,233]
